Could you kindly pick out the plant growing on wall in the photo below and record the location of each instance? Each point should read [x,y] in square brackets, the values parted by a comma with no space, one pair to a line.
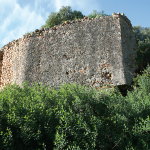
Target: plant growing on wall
[18,44]
[28,33]
[65,13]
[95,14]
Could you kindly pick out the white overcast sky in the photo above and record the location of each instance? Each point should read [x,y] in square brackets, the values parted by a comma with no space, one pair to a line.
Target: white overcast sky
[18,17]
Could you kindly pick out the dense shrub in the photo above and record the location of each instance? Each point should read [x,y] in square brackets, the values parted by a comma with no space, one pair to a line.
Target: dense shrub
[75,116]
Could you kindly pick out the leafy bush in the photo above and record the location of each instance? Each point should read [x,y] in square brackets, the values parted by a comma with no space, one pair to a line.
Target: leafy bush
[75,117]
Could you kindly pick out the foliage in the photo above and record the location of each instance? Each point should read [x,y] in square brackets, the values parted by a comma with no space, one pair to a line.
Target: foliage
[28,33]
[95,14]
[65,13]
[52,20]
[77,15]
[75,116]
[142,34]
[143,46]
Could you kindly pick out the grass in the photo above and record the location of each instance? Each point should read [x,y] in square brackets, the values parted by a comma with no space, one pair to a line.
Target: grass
[75,117]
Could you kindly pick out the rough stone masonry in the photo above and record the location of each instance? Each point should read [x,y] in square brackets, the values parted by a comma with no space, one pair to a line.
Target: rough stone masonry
[89,51]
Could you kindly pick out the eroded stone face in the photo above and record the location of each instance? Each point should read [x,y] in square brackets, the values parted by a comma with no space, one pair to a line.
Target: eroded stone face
[93,52]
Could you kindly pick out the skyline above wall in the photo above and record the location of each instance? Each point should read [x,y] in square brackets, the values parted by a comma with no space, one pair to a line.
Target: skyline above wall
[19,17]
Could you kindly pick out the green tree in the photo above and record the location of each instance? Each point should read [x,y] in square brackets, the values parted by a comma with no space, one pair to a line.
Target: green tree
[143,46]
[95,14]
[77,15]
[142,34]
[52,20]
[65,13]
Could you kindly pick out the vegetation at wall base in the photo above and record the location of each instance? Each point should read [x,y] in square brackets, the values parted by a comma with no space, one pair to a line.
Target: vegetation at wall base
[75,117]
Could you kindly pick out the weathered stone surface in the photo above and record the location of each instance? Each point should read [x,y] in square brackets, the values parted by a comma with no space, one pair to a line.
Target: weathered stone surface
[93,52]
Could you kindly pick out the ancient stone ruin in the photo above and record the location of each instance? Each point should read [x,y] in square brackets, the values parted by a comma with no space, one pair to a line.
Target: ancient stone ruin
[90,51]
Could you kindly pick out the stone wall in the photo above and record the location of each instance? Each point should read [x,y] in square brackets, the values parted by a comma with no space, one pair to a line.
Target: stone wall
[91,52]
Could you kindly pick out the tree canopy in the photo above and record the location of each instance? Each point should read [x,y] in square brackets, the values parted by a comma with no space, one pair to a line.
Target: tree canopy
[65,13]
